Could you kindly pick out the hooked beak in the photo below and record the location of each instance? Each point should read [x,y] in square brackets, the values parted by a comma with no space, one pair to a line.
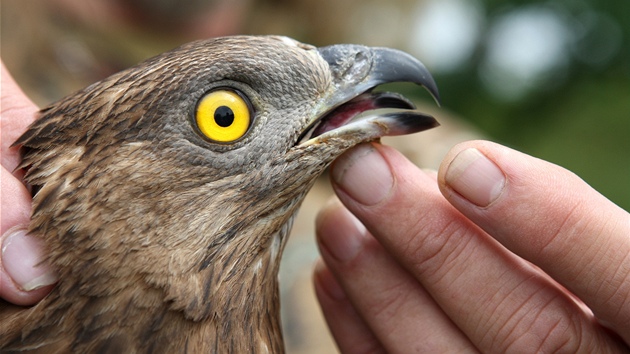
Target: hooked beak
[351,109]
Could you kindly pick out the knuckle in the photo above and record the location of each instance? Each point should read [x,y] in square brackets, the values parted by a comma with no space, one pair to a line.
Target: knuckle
[553,328]
[435,250]
[390,302]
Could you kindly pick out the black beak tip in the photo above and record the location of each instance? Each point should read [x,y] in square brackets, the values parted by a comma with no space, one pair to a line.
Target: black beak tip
[391,65]
[409,122]
[432,87]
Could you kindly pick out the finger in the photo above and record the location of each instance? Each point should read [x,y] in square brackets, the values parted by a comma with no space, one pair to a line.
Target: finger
[23,279]
[399,312]
[498,300]
[16,202]
[351,333]
[551,217]
[17,113]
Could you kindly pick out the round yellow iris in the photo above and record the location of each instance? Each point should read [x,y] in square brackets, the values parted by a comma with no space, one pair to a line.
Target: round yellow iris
[223,116]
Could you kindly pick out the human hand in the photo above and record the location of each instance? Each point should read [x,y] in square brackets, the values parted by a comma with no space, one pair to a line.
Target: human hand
[22,280]
[505,253]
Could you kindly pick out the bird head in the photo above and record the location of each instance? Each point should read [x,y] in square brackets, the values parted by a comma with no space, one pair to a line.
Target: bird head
[180,176]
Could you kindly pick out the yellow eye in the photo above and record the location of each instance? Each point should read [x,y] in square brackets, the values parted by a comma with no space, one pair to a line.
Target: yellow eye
[223,116]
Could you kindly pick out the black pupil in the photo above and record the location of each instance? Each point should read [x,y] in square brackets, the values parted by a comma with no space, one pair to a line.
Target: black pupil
[224,116]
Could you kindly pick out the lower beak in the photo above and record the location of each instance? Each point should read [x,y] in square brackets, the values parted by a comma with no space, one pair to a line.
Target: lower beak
[352,109]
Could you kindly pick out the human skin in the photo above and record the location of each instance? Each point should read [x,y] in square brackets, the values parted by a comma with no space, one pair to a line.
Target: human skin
[498,252]
[24,280]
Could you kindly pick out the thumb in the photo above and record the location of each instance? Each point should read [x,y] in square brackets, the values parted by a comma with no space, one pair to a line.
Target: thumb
[23,279]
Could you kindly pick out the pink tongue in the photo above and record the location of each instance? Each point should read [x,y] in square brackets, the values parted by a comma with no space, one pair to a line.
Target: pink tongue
[343,114]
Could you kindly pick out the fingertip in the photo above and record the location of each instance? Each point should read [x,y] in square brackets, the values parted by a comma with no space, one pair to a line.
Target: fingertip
[11,293]
[26,278]
[475,177]
[363,174]
[482,175]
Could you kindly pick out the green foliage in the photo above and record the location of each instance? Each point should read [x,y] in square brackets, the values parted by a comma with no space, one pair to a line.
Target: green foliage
[581,120]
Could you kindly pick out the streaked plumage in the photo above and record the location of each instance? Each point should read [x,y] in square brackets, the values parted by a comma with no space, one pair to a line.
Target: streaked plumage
[166,241]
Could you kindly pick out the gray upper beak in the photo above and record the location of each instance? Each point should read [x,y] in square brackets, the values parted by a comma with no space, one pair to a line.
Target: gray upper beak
[357,69]
[351,111]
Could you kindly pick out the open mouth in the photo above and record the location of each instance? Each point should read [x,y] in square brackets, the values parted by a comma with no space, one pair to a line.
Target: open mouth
[353,111]
[393,113]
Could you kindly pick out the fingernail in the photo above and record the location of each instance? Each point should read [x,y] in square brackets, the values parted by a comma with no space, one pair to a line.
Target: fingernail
[363,174]
[22,255]
[475,177]
[339,232]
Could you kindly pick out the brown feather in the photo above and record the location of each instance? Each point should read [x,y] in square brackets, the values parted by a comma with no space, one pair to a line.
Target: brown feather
[164,241]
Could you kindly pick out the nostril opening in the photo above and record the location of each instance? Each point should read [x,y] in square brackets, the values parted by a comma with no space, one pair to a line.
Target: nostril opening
[358,68]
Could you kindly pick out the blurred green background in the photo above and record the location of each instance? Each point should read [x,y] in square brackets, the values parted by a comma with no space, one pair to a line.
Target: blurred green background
[550,78]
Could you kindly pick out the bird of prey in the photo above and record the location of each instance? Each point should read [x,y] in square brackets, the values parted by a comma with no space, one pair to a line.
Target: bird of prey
[165,193]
